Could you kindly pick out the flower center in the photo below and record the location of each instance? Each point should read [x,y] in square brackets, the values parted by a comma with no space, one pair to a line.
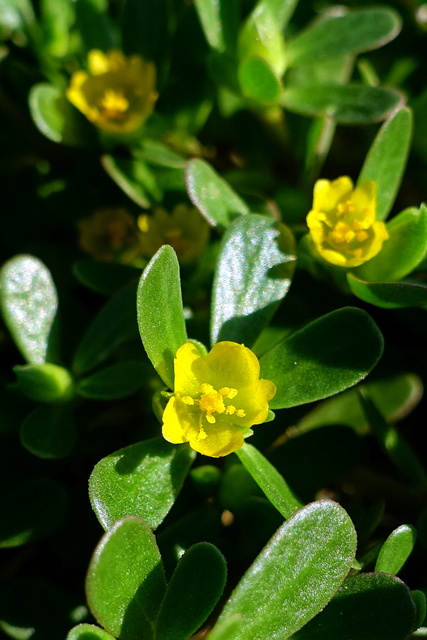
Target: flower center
[114,105]
[213,401]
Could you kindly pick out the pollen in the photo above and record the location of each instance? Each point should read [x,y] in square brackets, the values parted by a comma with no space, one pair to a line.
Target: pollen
[114,104]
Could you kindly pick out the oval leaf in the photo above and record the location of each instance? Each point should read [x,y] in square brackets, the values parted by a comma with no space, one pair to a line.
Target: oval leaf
[352,33]
[49,433]
[218,202]
[118,381]
[367,607]
[254,271]
[88,632]
[296,574]
[141,480]
[219,22]
[134,178]
[126,583]
[396,549]
[29,303]
[403,251]
[258,81]
[386,159]
[115,323]
[389,295]
[269,480]
[160,313]
[326,357]
[193,591]
[347,104]
[55,116]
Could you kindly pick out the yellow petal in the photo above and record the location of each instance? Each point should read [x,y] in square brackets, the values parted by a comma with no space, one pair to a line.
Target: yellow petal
[327,194]
[190,370]
[254,399]
[221,439]
[231,365]
[97,62]
[176,422]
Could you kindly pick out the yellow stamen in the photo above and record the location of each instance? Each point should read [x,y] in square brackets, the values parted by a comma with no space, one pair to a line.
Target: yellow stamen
[240,413]
[188,400]
[114,104]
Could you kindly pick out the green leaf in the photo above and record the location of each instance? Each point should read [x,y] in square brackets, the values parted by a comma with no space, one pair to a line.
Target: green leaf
[144,28]
[306,561]
[253,274]
[386,159]
[134,178]
[118,381]
[193,591]
[393,443]
[389,295]
[45,382]
[347,104]
[269,480]
[217,201]
[94,25]
[49,433]
[57,20]
[226,629]
[105,278]
[30,510]
[395,397]
[159,154]
[160,313]
[126,583]
[114,324]
[420,601]
[261,36]
[142,480]
[56,118]
[88,632]
[352,33]
[402,252]
[325,357]
[219,23]
[282,10]
[367,607]
[29,303]
[258,81]
[396,549]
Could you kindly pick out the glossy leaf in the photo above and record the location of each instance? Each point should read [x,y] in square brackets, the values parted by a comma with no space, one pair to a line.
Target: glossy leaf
[351,33]
[367,607]
[258,81]
[160,312]
[393,443]
[114,324]
[45,382]
[217,201]
[49,433]
[396,549]
[253,274]
[55,116]
[295,575]
[386,159]
[126,583]
[389,295]
[57,21]
[346,104]
[403,251]
[395,397]
[193,591]
[261,35]
[219,23]
[105,278]
[282,10]
[88,632]
[31,510]
[144,28]
[134,178]
[118,381]
[227,628]
[142,480]
[325,357]
[29,303]
[269,480]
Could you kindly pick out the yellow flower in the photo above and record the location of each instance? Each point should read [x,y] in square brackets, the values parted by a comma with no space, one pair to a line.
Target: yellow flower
[110,234]
[343,223]
[216,399]
[184,229]
[118,93]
